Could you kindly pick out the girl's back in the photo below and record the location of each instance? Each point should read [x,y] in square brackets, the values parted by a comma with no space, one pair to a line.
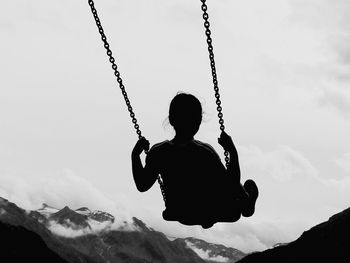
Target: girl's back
[192,173]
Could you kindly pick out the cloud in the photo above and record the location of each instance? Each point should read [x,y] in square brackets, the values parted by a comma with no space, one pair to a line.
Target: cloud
[2,211]
[344,162]
[283,163]
[305,47]
[337,100]
[342,185]
[332,23]
[67,232]
[204,254]
[70,230]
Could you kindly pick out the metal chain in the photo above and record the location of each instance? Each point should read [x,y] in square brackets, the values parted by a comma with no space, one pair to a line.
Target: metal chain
[120,81]
[115,68]
[213,72]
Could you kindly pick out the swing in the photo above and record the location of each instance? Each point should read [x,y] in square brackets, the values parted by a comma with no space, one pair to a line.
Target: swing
[225,218]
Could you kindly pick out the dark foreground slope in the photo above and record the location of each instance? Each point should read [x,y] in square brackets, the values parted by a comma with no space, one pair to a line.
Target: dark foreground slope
[21,245]
[326,242]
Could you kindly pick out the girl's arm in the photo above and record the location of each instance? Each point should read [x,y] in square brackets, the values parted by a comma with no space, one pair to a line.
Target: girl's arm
[233,169]
[144,177]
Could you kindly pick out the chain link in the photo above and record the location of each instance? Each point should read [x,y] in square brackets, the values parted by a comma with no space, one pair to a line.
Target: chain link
[120,81]
[213,72]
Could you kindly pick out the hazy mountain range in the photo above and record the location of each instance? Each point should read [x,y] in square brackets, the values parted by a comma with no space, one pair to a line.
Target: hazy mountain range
[83,236]
[65,235]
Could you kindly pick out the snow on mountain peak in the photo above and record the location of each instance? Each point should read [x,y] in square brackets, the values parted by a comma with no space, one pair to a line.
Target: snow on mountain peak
[102,216]
[47,210]
[83,211]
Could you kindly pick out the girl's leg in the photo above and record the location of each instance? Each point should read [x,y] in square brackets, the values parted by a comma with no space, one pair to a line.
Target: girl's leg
[230,204]
[251,194]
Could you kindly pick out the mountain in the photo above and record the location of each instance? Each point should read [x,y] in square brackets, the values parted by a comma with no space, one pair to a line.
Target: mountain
[326,242]
[84,236]
[66,235]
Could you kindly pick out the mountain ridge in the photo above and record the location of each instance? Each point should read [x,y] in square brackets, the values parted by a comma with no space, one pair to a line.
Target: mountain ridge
[141,244]
[326,242]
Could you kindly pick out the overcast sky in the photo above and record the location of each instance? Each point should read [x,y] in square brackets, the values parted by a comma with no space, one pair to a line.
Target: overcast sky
[283,68]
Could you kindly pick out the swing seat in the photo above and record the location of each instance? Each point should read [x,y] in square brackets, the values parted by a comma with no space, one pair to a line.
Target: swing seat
[196,203]
[207,209]
[204,216]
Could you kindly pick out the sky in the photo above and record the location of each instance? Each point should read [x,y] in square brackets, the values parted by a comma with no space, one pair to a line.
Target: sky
[283,70]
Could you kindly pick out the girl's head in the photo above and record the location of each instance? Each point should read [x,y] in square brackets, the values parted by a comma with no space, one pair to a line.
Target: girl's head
[185,114]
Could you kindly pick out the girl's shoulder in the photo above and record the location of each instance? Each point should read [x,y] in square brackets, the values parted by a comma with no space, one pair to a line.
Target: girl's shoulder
[157,151]
[205,146]
[207,149]
[160,146]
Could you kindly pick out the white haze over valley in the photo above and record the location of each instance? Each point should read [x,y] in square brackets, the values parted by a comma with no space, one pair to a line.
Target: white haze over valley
[204,254]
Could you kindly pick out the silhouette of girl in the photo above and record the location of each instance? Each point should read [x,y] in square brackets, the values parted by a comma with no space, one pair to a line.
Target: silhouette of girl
[199,190]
